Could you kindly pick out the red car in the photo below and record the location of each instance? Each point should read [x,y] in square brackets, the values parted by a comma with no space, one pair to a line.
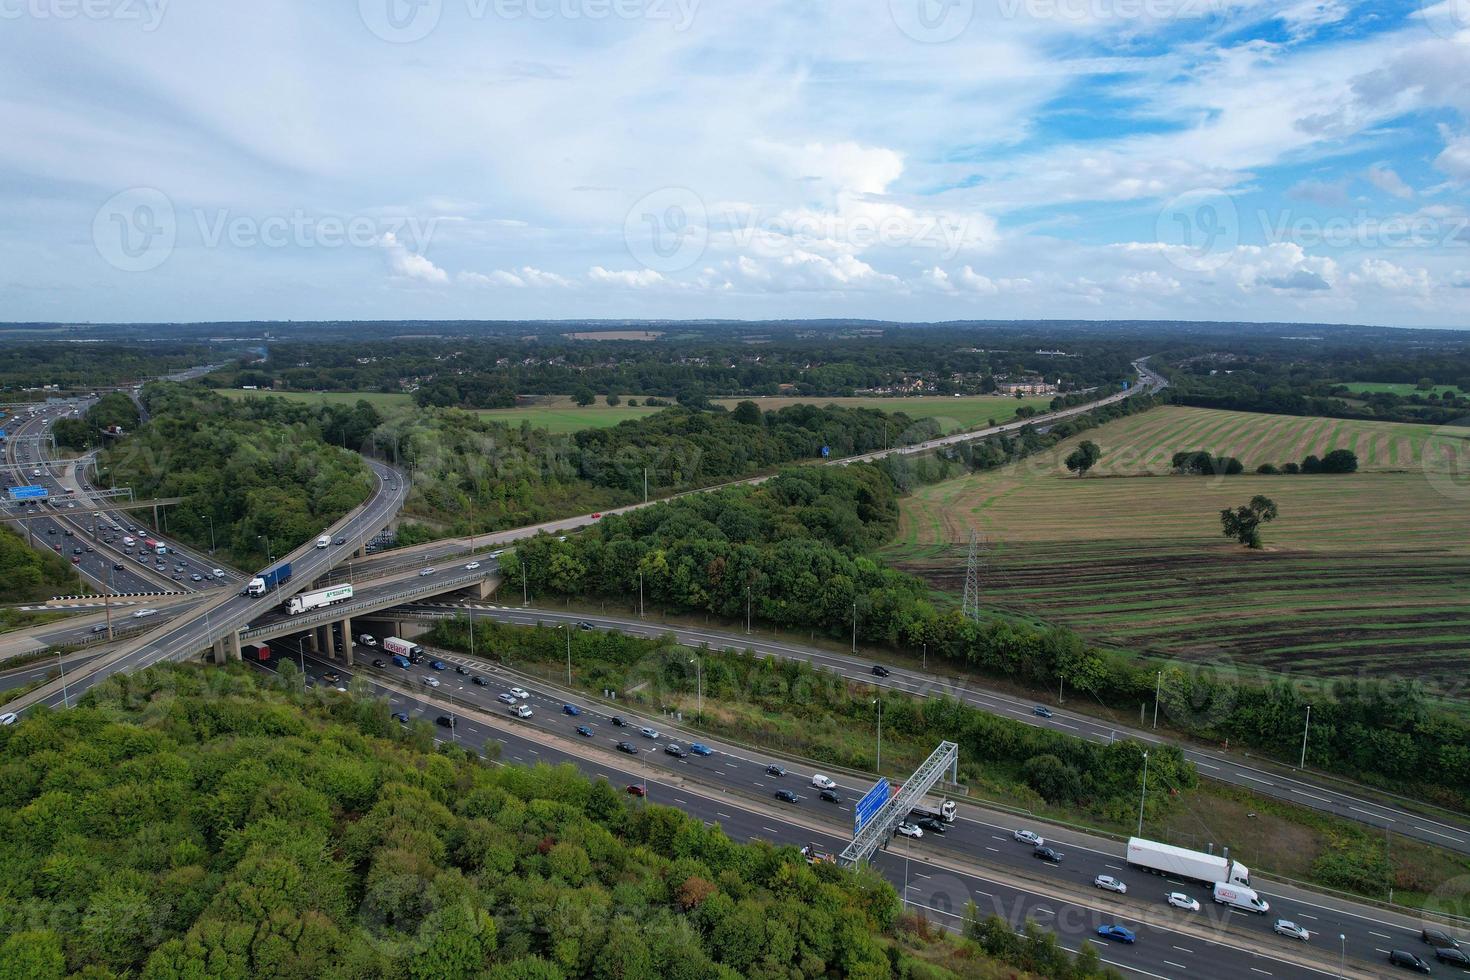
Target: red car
[75,560]
[637,789]
[596,516]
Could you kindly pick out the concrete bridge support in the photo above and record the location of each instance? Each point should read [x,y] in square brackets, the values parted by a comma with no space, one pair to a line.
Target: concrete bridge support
[235,653]
[220,653]
[347,641]
[329,641]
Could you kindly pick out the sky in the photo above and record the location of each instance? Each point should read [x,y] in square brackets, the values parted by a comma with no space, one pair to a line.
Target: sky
[889,159]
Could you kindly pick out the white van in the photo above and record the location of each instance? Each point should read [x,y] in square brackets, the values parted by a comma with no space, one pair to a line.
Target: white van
[822,782]
[367,639]
[129,541]
[1240,897]
[325,541]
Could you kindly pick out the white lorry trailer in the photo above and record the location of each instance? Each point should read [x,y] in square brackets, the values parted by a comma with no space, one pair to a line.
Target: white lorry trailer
[1179,862]
[316,599]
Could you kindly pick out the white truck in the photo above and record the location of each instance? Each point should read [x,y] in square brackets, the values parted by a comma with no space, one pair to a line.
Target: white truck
[404,648]
[325,541]
[367,639]
[317,598]
[945,811]
[1180,862]
[1240,897]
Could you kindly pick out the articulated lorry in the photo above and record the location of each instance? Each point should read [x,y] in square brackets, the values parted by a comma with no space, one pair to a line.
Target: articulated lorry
[267,581]
[403,648]
[317,598]
[1166,859]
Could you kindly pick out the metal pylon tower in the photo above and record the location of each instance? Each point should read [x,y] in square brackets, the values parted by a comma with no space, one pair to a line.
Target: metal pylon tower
[971,603]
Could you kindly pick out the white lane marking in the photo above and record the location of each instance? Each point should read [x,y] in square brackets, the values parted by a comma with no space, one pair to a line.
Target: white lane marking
[1436,833]
[1177,966]
[1376,816]
[1183,950]
[1265,782]
[1378,934]
[1266,972]
[1310,796]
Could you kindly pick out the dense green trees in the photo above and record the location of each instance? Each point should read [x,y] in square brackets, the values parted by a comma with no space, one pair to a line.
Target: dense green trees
[27,574]
[248,471]
[186,823]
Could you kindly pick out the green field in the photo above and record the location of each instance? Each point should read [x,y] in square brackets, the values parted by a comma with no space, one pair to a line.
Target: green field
[558,413]
[1368,572]
[380,400]
[953,414]
[1371,387]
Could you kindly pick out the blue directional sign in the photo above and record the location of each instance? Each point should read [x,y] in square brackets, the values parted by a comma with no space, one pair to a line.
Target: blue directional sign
[29,493]
[867,807]
[2,433]
[826,451]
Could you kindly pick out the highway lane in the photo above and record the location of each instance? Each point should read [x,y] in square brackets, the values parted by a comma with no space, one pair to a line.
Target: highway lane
[1212,764]
[222,614]
[1169,945]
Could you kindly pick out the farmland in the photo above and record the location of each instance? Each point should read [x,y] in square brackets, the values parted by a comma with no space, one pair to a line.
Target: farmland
[554,413]
[1397,388]
[381,400]
[953,414]
[1368,572]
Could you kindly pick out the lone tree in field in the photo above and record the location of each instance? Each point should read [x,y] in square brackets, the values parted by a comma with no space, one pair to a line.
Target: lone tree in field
[1083,458]
[1244,523]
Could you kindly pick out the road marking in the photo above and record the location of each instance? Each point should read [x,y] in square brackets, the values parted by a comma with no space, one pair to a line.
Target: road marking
[1303,915]
[1183,950]
[1044,911]
[1113,866]
[1310,796]
[1266,972]
[1265,782]
[1376,816]
[1438,834]
[1177,966]
[1378,934]
[719,814]
[995,849]
[772,831]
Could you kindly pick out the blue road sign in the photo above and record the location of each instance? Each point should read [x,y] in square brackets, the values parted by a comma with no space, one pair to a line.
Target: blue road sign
[867,807]
[826,451]
[2,433]
[28,493]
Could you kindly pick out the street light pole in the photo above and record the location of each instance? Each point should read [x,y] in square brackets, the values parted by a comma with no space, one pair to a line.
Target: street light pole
[568,628]
[640,593]
[1305,730]
[210,518]
[699,683]
[1158,686]
[747,610]
[525,596]
[854,627]
[1144,795]
[1342,954]
[879,702]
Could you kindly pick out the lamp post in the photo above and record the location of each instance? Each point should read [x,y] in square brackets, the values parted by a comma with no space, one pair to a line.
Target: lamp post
[747,610]
[640,593]
[1144,796]
[854,627]
[1305,730]
[699,683]
[879,702]
[210,518]
[568,628]
[1342,954]
[270,555]
[1158,686]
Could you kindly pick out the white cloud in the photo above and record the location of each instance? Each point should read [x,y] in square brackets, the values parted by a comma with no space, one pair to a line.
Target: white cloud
[1454,159]
[406,265]
[522,278]
[1393,278]
[629,278]
[1386,180]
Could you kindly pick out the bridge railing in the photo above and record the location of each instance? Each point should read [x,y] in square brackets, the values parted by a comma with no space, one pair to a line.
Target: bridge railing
[345,610]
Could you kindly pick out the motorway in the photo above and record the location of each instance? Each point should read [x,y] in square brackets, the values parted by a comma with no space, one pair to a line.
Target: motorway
[1212,764]
[976,860]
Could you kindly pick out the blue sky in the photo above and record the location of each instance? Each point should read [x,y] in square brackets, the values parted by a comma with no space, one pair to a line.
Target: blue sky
[902,159]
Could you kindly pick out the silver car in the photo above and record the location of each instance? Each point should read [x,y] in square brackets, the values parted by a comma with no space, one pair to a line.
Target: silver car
[1110,884]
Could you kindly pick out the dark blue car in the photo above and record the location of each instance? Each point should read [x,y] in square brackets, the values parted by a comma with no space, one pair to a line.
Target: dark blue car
[1121,933]
[584,731]
[699,748]
[402,716]
[437,665]
[571,709]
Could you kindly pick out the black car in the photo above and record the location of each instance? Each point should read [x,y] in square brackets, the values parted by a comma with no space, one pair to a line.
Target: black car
[479,681]
[786,796]
[1438,938]
[775,770]
[1047,854]
[618,720]
[460,670]
[930,825]
[584,731]
[584,625]
[444,721]
[830,796]
[879,670]
[51,530]
[379,663]
[117,566]
[100,628]
[1407,960]
[1452,954]
[628,747]
[402,717]
[677,751]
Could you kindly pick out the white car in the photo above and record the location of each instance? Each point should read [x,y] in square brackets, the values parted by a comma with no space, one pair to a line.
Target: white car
[472,566]
[910,830]
[431,681]
[1182,901]
[1110,884]
[506,698]
[522,710]
[145,613]
[1029,837]
[9,718]
[1285,927]
[426,572]
[520,692]
[217,572]
[822,782]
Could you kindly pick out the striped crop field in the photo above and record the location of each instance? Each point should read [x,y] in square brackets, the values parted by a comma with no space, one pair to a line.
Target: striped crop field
[1368,572]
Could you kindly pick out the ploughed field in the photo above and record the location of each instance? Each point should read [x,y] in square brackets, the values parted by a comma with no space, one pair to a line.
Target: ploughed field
[1363,573]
